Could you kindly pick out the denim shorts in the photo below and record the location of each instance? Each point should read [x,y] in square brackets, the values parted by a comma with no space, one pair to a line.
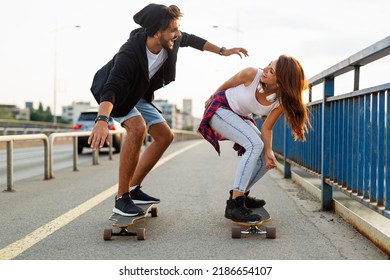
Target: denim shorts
[146,110]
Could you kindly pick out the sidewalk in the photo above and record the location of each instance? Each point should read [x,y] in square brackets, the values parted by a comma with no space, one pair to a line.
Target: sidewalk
[371,224]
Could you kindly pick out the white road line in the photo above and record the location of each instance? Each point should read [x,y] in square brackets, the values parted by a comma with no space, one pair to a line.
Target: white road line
[18,247]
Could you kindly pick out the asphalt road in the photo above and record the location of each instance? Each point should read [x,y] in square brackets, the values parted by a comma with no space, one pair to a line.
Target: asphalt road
[64,218]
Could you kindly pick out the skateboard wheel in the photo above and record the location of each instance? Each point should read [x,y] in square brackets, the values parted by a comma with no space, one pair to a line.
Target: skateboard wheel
[141,233]
[236,232]
[107,233]
[271,232]
[154,212]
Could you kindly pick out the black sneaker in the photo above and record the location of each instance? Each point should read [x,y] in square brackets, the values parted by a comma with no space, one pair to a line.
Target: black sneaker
[125,206]
[139,197]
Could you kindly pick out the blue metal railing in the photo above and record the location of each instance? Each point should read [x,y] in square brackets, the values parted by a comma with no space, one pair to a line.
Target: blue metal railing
[348,147]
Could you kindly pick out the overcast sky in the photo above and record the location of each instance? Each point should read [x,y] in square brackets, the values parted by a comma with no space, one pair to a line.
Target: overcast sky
[318,33]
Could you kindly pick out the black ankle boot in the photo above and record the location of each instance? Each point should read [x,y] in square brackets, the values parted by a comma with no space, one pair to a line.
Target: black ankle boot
[230,205]
[253,202]
[250,201]
[242,214]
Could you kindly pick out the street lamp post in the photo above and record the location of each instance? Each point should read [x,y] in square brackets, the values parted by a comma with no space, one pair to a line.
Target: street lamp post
[236,29]
[55,70]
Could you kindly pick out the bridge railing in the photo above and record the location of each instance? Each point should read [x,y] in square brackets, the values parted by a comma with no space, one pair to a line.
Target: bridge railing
[348,147]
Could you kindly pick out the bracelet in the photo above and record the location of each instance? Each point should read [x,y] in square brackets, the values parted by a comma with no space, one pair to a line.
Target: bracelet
[222,50]
[101,118]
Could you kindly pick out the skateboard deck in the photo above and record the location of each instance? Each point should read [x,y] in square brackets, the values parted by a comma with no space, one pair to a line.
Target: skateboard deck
[125,223]
[254,227]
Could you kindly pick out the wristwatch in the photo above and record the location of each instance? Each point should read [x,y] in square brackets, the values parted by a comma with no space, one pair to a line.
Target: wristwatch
[101,118]
[222,50]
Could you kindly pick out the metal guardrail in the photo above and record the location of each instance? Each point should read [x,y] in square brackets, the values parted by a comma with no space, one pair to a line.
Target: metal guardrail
[184,135]
[48,146]
[16,127]
[349,146]
[75,135]
[10,140]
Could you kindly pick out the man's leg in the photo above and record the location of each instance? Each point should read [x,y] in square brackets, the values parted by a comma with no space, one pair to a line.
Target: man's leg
[162,138]
[129,155]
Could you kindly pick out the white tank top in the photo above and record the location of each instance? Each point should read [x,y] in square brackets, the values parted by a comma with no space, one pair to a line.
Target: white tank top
[243,100]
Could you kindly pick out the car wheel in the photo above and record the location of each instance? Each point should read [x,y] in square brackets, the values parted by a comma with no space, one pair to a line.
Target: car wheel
[117,144]
[117,148]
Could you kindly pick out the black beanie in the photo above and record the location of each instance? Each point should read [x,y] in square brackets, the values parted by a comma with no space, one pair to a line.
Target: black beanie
[150,17]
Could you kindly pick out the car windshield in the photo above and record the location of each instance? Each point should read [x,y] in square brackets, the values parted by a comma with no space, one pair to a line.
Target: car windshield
[88,116]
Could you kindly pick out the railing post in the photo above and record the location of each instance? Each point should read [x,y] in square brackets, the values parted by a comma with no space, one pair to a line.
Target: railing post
[46,153]
[110,146]
[326,190]
[356,80]
[95,157]
[10,165]
[50,155]
[75,153]
[386,195]
[287,166]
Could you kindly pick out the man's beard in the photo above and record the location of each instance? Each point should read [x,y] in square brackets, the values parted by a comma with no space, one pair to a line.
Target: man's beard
[165,44]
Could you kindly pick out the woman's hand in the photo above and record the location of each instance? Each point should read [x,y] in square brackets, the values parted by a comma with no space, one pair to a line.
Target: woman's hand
[270,160]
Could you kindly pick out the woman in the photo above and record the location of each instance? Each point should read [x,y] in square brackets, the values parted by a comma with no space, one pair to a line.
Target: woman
[275,90]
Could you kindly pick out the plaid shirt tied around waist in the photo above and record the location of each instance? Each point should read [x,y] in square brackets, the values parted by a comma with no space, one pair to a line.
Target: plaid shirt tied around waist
[219,101]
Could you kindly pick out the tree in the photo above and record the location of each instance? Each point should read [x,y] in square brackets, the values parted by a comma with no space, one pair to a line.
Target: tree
[40,115]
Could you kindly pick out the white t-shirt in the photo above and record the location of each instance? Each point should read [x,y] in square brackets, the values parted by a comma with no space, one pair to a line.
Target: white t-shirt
[155,60]
[242,100]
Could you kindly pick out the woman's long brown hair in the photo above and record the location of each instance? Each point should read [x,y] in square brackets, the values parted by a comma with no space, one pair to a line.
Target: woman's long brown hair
[292,82]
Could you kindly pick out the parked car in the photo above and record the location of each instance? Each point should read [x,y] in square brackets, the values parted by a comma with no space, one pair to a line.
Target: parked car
[86,122]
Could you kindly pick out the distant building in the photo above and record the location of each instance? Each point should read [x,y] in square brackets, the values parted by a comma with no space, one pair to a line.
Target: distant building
[187,106]
[176,119]
[188,119]
[168,111]
[23,114]
[29,105]
[72,112]
[14,112]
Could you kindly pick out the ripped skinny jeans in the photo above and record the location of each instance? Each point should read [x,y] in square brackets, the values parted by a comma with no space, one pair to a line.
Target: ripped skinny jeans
[251,167]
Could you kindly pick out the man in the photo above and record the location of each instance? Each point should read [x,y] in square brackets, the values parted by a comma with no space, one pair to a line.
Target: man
[124,89]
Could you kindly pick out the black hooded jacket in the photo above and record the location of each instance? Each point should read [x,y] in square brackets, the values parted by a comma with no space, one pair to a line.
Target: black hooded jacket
[124,80]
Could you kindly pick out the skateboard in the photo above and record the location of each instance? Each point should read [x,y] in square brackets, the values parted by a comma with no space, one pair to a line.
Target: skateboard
[125,224]
[255,227]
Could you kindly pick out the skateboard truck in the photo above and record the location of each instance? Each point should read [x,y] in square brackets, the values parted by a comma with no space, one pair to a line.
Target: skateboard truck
[269,232]
[139,232]
[247,228]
